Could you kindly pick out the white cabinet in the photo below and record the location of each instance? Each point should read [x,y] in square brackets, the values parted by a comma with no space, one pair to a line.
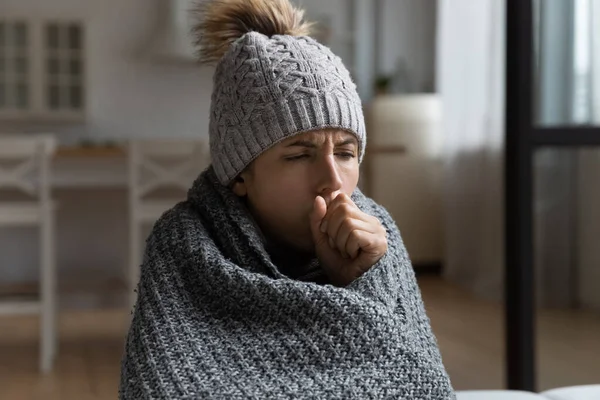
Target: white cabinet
[408,183]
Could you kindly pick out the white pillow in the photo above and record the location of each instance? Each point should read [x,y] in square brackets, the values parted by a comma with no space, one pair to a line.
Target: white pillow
[587,392]
[497,395]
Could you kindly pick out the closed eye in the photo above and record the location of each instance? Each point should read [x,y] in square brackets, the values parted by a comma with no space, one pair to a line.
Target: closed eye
[346,155]
[298,157]
[343,155]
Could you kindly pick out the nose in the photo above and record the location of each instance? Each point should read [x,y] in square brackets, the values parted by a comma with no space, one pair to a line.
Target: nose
[329,177]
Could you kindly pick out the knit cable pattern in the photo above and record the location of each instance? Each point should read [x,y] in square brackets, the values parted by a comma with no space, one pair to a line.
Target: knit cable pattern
[267,89]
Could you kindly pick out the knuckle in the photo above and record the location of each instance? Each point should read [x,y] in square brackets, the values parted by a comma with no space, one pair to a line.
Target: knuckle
[345,207]
[384,244]
[348,224]
[339,199]
[354,235]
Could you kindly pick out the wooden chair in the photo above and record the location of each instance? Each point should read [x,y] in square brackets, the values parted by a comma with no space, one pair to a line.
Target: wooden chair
[158,165]
[25,175]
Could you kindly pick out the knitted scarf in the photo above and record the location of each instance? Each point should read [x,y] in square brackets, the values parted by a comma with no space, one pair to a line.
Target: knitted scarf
[215,318]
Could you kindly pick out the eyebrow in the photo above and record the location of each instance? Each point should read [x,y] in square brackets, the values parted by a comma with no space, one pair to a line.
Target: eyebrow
[346,142]
[312,145]
[302,143]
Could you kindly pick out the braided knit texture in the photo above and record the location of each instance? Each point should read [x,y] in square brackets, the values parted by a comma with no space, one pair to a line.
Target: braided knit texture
[216,319]
[267,89]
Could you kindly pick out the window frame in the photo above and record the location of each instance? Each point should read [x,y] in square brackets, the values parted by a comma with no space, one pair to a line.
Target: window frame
[37,56]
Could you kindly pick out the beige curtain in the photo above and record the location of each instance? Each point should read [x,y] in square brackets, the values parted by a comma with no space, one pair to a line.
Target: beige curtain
[595,15]
[589,187]
[470,75]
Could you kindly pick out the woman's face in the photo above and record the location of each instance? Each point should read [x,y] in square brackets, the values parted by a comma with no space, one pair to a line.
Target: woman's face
[282,183]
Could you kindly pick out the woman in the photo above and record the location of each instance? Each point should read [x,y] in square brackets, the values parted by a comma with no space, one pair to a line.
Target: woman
[277,278]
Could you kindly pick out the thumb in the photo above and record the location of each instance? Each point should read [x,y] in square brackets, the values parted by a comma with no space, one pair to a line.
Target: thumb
[316,217]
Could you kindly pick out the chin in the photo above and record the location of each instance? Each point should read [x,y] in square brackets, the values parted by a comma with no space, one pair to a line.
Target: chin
[307,246]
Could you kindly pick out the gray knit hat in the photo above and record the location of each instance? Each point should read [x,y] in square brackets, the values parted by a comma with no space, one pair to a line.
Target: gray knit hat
[270,85]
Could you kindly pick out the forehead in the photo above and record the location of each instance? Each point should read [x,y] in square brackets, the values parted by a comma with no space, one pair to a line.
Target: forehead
[322,136]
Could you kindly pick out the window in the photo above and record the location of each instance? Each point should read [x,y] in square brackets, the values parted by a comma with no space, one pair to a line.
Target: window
[568,62]
[64,67]
[582,62]
[42,70]
[14,66]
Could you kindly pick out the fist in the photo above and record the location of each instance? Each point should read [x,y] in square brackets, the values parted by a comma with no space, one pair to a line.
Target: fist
[348,242]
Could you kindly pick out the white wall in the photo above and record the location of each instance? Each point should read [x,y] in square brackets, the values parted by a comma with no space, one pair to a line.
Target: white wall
[127,96]
[409,31]
[131,96]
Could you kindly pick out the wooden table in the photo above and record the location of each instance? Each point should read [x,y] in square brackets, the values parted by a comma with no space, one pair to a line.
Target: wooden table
[89,167]
[89,152]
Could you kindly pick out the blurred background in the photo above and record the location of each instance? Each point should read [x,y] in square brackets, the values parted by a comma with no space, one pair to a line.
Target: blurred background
[102,104]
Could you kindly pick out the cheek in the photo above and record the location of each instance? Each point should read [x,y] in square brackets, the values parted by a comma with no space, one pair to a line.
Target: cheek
[282,201]
[286,198]
[350,176]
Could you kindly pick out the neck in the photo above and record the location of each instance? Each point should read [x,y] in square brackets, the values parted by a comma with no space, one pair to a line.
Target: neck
[291,261]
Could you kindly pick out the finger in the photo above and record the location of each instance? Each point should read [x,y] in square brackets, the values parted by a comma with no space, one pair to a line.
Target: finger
[344,202]
[316,217]
[353,244]
[338,209]
[345,230]
[345,219]
[366,242]
[342,216]
[341,242]
[340,199]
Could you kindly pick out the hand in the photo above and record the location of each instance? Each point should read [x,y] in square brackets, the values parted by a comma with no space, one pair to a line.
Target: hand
[348,242]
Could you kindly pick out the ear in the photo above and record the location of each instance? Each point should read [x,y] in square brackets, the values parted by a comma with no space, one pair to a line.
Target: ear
[239,186]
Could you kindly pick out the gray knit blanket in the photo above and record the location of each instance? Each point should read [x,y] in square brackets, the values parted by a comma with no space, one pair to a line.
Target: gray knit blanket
[216,319]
